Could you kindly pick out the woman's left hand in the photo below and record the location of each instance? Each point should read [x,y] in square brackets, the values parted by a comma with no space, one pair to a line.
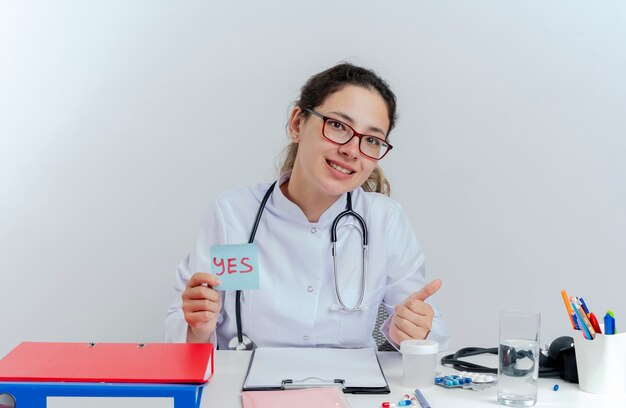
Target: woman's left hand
[413,318]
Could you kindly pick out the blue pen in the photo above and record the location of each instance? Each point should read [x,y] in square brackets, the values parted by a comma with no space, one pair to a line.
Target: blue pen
[575,318]
[584,305]
[609,323]
[581,322]
[420,397]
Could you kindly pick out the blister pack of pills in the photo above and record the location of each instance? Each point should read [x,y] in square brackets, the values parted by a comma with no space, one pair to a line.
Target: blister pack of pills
[472,381]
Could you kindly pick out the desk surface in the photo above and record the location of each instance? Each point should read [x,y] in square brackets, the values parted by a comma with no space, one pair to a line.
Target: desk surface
[224,390]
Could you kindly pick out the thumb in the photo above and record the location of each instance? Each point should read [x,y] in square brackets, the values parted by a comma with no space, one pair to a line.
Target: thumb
[427,291]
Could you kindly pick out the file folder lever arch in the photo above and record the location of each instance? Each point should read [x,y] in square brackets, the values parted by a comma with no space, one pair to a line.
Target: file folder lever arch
[39,394]
[34,374]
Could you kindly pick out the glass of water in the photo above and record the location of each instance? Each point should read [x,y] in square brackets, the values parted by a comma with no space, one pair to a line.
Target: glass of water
[518,358]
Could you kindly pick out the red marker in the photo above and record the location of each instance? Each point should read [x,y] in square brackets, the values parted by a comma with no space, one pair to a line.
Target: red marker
[594,323]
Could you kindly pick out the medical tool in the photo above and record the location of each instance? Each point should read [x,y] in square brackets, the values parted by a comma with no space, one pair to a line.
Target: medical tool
[243,342]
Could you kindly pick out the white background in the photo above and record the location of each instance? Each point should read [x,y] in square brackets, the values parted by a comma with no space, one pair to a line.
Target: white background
[120,120]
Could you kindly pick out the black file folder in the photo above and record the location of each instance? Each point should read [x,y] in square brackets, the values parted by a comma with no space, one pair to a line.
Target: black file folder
[355,371]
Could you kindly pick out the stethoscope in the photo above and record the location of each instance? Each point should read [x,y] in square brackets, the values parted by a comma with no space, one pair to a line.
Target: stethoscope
[243,342]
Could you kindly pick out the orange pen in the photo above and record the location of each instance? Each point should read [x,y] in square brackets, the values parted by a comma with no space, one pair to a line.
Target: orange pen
[568,306]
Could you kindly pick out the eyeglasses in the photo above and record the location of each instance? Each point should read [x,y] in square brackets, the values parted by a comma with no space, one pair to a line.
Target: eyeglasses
[341,133]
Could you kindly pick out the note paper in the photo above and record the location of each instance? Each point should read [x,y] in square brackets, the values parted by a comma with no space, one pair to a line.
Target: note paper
[236,266]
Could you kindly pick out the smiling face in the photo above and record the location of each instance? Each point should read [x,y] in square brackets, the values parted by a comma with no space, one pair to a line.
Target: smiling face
[324,170]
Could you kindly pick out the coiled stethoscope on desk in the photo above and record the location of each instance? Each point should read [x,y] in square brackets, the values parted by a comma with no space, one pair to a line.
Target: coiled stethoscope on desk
[243,342]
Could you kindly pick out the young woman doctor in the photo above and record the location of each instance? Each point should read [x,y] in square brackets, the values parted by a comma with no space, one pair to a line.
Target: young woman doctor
[339,130]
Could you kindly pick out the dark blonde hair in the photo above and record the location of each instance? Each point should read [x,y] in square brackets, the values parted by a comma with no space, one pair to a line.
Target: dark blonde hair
[320,86]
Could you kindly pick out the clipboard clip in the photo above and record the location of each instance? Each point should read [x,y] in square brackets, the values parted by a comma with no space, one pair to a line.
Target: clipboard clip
[311,382]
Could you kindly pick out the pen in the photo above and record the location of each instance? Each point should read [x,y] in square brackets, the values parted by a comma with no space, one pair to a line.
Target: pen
[584,323]
[421,399]
[583,318]
[576,326]
[583,328]
[584,305]
[568,306]
[609,323]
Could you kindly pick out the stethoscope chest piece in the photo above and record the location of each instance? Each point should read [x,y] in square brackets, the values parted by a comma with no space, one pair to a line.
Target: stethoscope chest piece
[235,344]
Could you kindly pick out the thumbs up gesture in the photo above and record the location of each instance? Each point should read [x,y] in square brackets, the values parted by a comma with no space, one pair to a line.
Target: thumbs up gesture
[413,318]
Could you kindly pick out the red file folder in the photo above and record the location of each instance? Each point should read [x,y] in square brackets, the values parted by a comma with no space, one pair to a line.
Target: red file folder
[170,363]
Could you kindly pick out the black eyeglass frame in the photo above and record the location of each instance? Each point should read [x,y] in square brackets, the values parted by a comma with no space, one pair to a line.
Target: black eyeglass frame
[354,134]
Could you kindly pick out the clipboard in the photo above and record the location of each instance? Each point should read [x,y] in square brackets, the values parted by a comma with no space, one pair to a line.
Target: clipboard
[354,371]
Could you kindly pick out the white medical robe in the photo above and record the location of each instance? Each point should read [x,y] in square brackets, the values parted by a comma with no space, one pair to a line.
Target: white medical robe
[296,304]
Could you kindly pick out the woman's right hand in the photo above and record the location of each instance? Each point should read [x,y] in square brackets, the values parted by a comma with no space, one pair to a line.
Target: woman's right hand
[201,306]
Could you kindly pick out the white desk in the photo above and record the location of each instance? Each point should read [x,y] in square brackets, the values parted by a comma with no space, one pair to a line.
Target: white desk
[224,390]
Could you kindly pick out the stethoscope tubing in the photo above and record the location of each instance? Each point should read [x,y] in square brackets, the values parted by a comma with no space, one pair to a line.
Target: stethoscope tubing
[245,343]
[250,240]
[333,239]
[344,213]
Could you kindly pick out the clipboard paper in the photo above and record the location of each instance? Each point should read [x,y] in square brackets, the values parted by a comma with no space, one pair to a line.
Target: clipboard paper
[355,371]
